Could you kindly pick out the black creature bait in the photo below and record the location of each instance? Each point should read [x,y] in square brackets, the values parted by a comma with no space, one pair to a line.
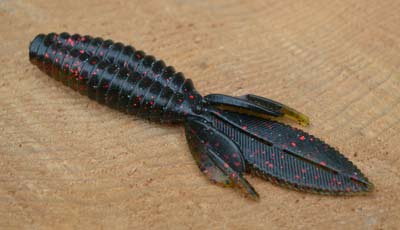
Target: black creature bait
[228,136]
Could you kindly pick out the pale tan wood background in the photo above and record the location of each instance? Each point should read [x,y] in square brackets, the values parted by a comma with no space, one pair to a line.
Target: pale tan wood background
[67,162]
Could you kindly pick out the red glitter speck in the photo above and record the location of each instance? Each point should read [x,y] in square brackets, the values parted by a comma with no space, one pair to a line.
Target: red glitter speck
[323,163]
[191,97]
[297,177]
[105,86]
[270,165]
[226,165]
[81,51]
[302,138]
[244,127]
[46,55]
[293,144]
[71,42]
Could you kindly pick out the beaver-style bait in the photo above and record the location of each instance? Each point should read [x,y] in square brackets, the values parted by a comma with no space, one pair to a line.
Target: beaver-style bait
[228,136]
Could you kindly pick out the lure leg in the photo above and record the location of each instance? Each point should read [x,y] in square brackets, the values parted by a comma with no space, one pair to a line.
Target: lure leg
[276,106]
[217,156]
[257,106]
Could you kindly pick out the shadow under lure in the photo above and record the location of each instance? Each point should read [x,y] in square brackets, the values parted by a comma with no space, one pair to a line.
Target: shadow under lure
[228,136]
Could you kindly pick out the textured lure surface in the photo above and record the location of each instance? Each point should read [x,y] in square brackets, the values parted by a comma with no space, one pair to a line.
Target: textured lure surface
[228,136]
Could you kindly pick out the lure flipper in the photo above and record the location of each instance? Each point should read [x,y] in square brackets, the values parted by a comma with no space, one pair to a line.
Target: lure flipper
[285,110]
[255,105]
[217,156]
[289,156]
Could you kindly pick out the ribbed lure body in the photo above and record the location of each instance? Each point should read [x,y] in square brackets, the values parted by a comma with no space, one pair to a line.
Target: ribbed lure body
[228,136]
[119,88]
[124,56]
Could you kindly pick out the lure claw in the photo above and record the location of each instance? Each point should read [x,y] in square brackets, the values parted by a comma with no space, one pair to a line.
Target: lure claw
[217,156]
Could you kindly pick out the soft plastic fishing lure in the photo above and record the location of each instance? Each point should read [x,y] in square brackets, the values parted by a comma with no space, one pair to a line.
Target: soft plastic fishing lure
[228,136]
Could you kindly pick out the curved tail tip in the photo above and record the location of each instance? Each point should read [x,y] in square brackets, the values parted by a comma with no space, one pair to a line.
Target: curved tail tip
[370,187]
[255,197]
[251,192]
[363,186]
[295,115]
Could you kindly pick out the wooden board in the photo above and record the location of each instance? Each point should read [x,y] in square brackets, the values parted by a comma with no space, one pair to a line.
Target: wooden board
[67,162]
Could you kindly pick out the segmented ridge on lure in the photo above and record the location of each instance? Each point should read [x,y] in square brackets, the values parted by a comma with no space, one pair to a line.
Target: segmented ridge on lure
[124,56]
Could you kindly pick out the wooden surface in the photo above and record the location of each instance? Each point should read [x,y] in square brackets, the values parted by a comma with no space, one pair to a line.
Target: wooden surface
[67,162]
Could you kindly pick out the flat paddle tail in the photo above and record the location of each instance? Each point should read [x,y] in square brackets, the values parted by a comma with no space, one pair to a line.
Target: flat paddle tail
[289,156]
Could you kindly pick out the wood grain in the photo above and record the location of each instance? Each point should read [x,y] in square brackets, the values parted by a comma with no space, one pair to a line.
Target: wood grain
[67,162]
